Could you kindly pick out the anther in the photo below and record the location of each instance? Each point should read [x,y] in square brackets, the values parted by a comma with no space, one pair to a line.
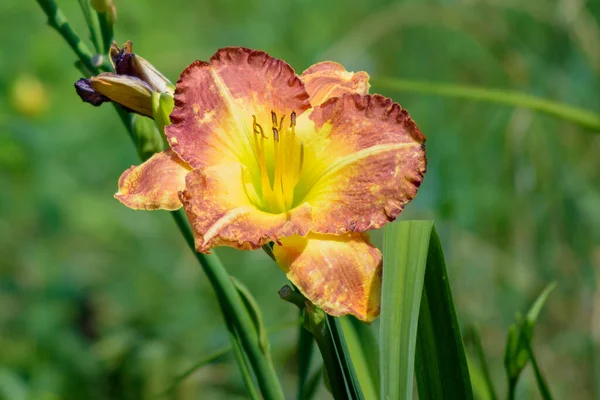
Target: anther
[281,122]
[274,118]
[293,119]
[275,134]
[257,128]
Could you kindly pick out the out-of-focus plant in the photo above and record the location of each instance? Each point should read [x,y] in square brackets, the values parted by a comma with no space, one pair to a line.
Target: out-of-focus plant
[300,166]
[519,348]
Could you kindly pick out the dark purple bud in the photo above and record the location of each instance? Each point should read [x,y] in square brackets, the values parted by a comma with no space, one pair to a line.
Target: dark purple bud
[88,94]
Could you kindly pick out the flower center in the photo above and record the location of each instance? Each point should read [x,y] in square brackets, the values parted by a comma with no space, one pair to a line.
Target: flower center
[280,160]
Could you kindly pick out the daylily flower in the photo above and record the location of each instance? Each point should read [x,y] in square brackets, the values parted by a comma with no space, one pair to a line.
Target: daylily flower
[310,162]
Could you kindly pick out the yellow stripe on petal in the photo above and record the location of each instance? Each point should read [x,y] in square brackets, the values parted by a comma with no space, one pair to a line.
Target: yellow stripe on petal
[341,274]
[328,79]
[369,165]
[218,104]
[220,207]
[155,183]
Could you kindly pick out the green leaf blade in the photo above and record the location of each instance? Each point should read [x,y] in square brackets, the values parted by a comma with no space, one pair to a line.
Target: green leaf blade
[442,369]
[405,254]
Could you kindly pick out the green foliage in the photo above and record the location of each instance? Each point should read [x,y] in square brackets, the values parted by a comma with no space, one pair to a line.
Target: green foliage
[364,353]
[405,256]
[85,283]
[518,351]
[441,364]
[419,328]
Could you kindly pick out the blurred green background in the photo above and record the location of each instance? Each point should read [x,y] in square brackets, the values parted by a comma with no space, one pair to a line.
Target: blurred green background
[101,302]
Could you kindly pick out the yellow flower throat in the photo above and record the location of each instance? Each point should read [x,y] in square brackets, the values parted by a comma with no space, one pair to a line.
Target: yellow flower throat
[279,166]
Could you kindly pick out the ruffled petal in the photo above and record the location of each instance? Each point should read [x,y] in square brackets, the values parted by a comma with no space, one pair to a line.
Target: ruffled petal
[341,274]
[368,166]
[218,204]
[216,102]
[329,79]
[155,183]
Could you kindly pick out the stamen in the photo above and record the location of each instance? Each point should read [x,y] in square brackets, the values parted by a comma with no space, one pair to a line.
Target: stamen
[280,169]
[301,163]
[259,151]
[274,118]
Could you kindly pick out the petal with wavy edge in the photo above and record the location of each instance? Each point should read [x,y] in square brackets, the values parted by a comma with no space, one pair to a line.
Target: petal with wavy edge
[218,206]
[154,184]
[329,79]
[341,274]
[212,122]
[368,162]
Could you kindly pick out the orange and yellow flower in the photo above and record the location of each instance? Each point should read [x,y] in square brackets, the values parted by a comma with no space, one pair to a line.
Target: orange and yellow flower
[311,162]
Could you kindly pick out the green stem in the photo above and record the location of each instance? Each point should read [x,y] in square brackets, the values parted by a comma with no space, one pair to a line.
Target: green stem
[233,308]
[231,304]
[585,118]
[238,353]
[106,28]
[92,22]
[58,21]
[305,351]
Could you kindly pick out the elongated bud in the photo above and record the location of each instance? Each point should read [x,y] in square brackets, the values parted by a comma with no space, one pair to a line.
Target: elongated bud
[147,137]
[128,91]
[106,6]
[162,106]
[132,85]
[126,62]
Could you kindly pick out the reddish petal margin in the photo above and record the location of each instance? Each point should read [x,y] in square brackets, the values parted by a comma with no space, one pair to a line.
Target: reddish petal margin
[341,274]
[371,166]
[154,184]
[212,122]
[329,79]
[220,213]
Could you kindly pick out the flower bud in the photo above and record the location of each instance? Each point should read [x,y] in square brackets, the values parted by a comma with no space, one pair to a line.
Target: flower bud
[126,62]
[162,107]
[128,91]
[147,137]
[132,85]
[106,6]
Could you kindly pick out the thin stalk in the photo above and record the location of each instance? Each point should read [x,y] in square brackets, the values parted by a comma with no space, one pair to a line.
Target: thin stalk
[106,27]
[92,22]
[305,351]
[238,353]
[204,361]
[483,362]
[233,308]
[585,118]
[58,21]
[231,304]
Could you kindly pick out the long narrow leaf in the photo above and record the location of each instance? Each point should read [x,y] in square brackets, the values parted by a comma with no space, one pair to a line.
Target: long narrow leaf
[441,363]
[364,353]
[476,337]
[405,254]
[348,374]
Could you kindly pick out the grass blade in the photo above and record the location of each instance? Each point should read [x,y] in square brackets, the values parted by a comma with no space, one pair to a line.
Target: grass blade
[585,118]
[441,363]
[346,367]
[404,258]
[485,371]
[364,352]
[312,384]
[518,350]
